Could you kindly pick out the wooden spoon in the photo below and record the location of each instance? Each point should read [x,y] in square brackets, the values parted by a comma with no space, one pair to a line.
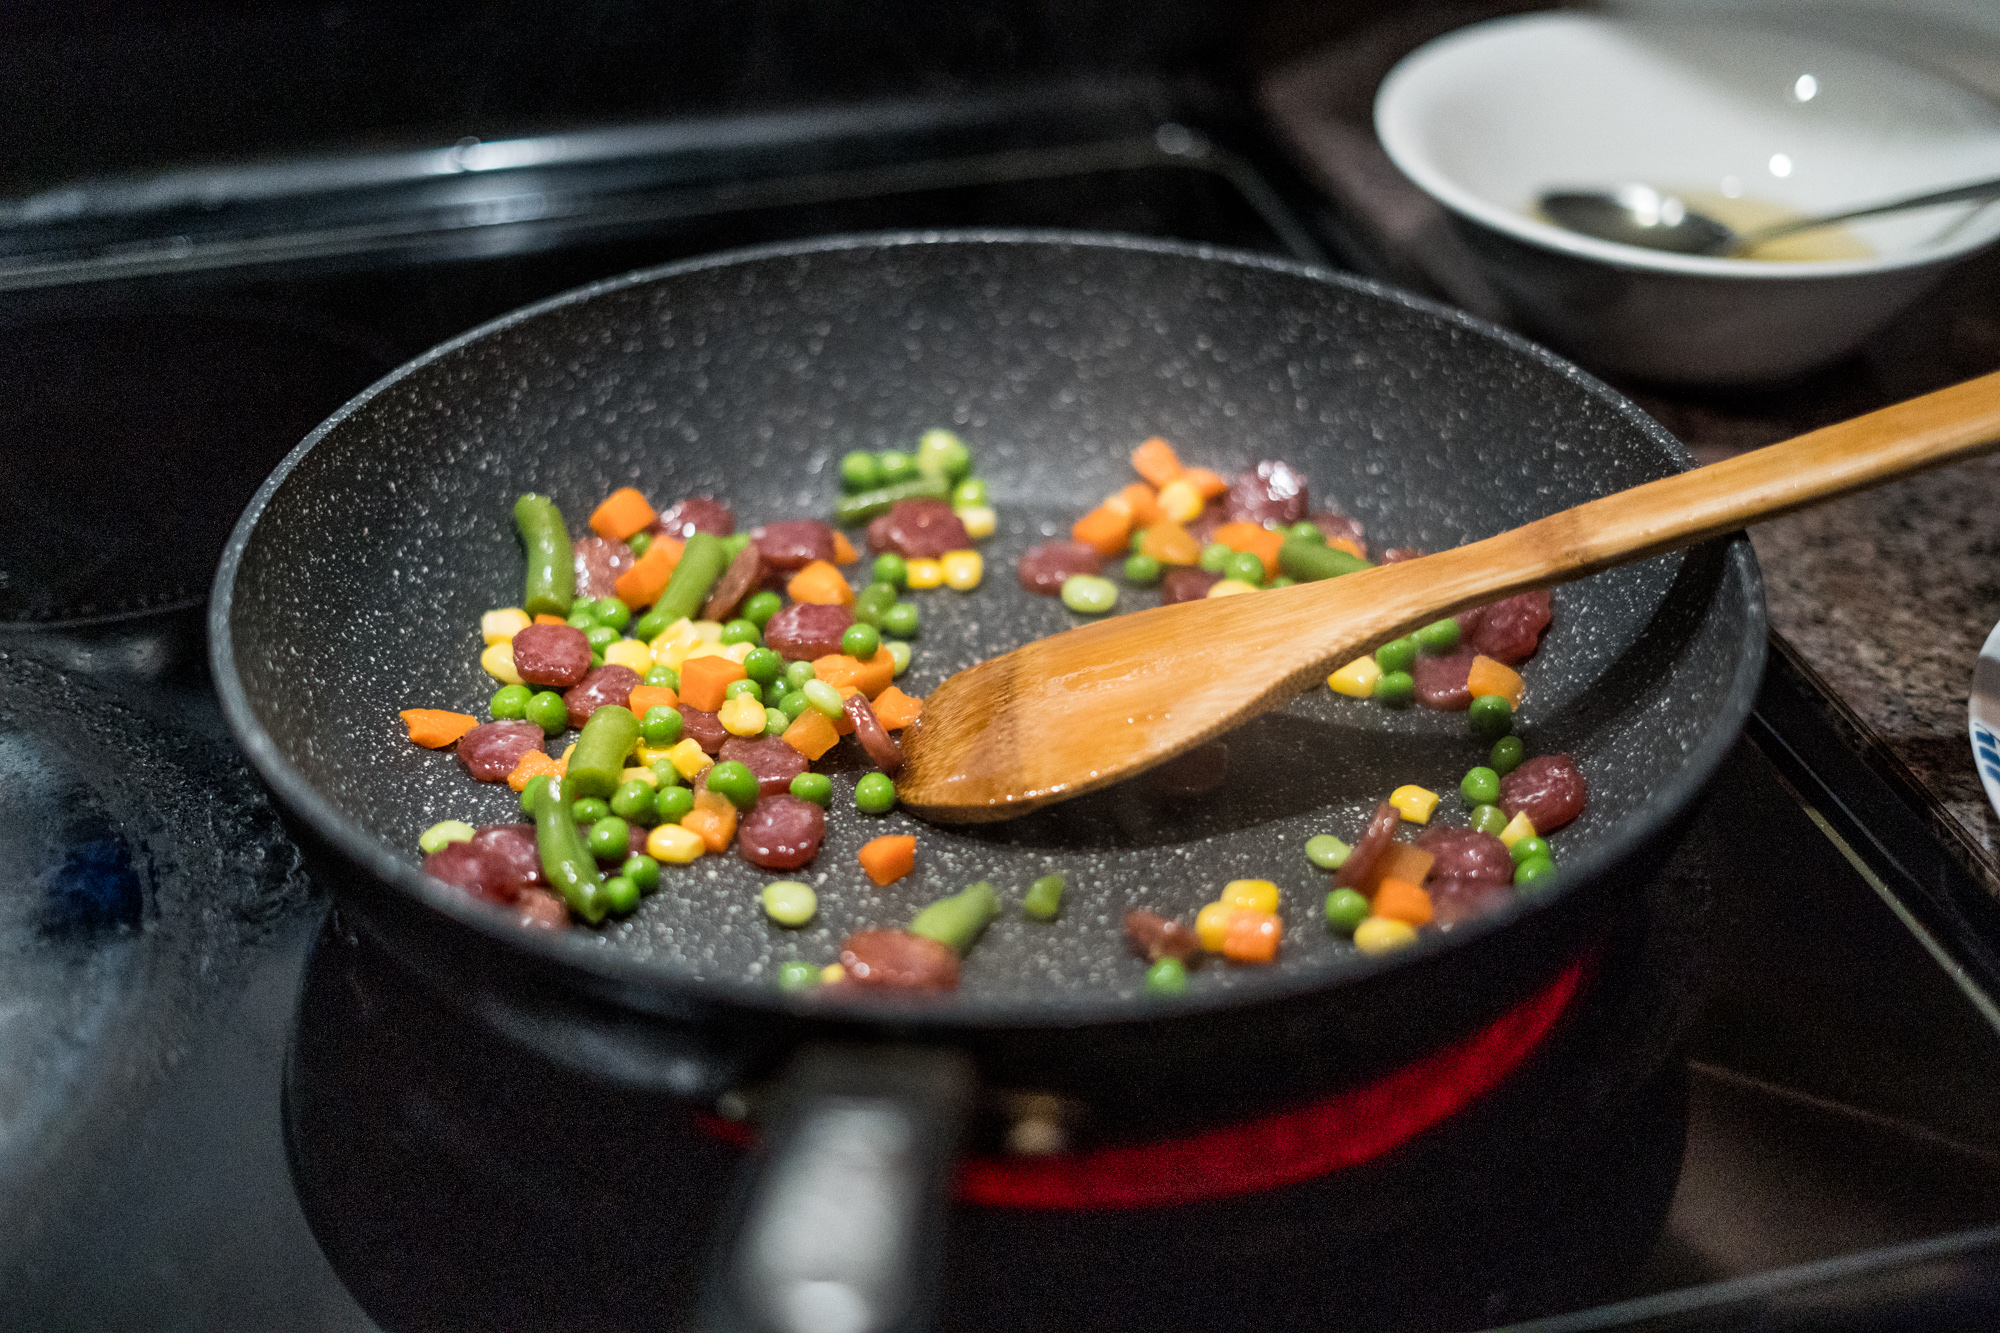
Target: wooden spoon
[1097,704]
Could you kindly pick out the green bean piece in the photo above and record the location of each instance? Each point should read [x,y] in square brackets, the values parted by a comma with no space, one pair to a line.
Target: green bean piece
[940,453]
[673,803]
[642,870]
[528,795]
[567,864]
[859,471]
[814,787]
[1396,688]
[1167,977]
[958,920]
[621,895]
[1490,717]
[1440,636]
[1508,752]
[600,751]
[891,569]
[759,607]
[1529,847]
[510,703]
[901,620]
[793,702]
[864,505]
[1043,900]
[899,653]
[764,665]
[651,625]
[1479,786]
[1244,567]
[1327,852]
[775,721]
[612,612]
[600,637]
[1142,569]
[969,493]
[1397,654]
[796,975]
[608,838]
[745,686]
[875,794]
[640,542]
[1089,595]
[825,698]
[588,810]
[702,562]
[897,466]
[798,673]
[551,583]
[1306,530]
[1309,561]
[1346,909]
[662,725]
[633,802]
[442,835]
[733,778]
[1487,819]
[546,709]
[789,902]
[860,641]
[742,631]
[734,543]
[1215,557]
[1534,873]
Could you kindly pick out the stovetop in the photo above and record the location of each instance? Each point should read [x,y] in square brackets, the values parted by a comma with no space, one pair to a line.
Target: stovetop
[166,970]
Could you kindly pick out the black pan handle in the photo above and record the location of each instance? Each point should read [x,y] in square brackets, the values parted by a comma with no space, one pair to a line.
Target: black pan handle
[838,1226]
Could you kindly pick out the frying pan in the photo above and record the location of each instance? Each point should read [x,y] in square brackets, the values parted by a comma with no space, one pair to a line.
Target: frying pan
[354,581]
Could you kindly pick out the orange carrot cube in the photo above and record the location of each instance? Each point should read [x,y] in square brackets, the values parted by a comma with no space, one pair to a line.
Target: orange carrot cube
[434,728]
[1490,677]
[1399,860]
[642,584]
[821,584]
[896,710]
[1104,529]
[1252,937]
[843,550]
[811,734]
[651,696]
[1170,544]
[704,680]
[533,764]
[623,513]
[1156,461]
[1402,900]
[889,858]
[1258,540]
[1206,484]
[870,677]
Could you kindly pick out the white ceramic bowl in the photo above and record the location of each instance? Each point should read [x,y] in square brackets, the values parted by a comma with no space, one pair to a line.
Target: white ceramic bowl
[1489,117]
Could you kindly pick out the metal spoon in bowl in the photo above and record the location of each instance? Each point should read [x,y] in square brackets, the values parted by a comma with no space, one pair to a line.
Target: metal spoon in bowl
[1642,216]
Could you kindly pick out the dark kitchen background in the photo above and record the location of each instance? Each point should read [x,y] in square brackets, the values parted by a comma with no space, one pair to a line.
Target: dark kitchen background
[218,221]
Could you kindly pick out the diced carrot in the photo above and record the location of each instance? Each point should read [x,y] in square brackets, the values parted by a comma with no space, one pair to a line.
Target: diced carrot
[642,584]
[547,619]
[843,550]
[1490,677]
[1252,937]
[1258,540]
[713,819]
[651,696]
[1156,461]
[1143,504]
[434,728]
[1400,860]
[870,677]
[623,513]
[1401,900]
[889,858]
[703,680]
[811,734]
[1170,544]
[1349,545]
[821,584]
[1104,529]
[533,764]
[1207,484]
[896,710]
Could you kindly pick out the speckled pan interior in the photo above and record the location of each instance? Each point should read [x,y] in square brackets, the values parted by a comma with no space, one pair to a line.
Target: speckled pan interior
[356,580]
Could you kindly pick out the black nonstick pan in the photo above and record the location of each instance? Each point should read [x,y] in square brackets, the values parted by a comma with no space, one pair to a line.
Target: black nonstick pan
[354,584]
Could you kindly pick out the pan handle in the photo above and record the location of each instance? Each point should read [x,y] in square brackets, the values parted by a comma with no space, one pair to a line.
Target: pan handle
[838,1225]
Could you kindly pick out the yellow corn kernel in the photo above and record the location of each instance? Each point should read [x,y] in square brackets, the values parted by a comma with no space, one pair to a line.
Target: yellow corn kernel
[672,644]
[1211,924]
[1180,501]
[739,652]
[498,660]
[688,758]
[1415,803]
[653,754]
[1381,934]
[1356,678]
[1256,895]
[1519,827]
[637,774]
[963,569]
[742,716]
[1229,588]
[710,631]
[672,843]
[921,573]
[629,653]
[979,520]
[831,973]
[501,626]
[568,750]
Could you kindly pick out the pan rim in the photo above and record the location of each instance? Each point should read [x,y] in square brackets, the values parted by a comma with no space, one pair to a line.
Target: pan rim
[674,988]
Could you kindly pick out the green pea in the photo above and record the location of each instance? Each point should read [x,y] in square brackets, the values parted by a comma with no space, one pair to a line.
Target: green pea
[664,770]
[742,631]
[1395,688]
[1397,654]
[972,491]
[609,837]
[442,835]
[733,778]
[663,675]
[633,801]
[1282,581]
[1089,595]
[901,620]
[775,721]
[528,792]
[942,454]
[673,803]
[620,895]
[860,472]
[1306,531]
[589,809]
[797,976]
[611,613]
[1142,569]
[895,466]
[642,870]
[764,665]
[1479,786]
[1440,636]
[1327,852]
[596,658]
[875,794]
[814,787]
[1043,900]
[510,703]
[793,702]
[873,601]
[891,569]
[789,902]
[1244,567]
[1490,717]
[600,637]
[1534,873]
[1167,977]
[1345,909]
[798,673]
[1508,752]
[1215,557]
[759,607]
[1487,819]
[546,709]
[732,546]
[662,725]
[640,542]
[654,623]
[1526,848]
[899,653]
[860,641]
[825,698]
[582,620]
[581,606]
[736,688]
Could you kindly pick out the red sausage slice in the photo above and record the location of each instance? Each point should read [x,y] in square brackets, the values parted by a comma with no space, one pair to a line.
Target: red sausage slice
[599,562]
[1466,854]
[1273,491]
[805,631]
[794,543]
[1441,681]
[512,862]
[774,762]
[1187,584]
[1549,788]
[1043,568]
[490,751]
[604,685]
[898,960]
[1510,630]
[541,910]
[552,655]
[1381,831]
[738,581]
[1154,937]
[880,745]
[698,513]
[1454,899]
[706,728]
[781,832]
[920,529]
[462,866]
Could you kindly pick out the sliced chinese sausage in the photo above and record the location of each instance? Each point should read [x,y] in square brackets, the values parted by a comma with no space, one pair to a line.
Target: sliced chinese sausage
[738,581]
[880,745]
[1044,568]
[1272,492]
[552,655]
[611,684]
[706,728]
[781,832]
[599,562]
[490,751]
[541,910]
[1466,854]
[1396,555]
[920,529]
[1510,630]
[1381,831]
[1186,584]
[794,543]
[1442,681]
[511,859]
[805,631]
[773,761]
[1154,937]
[698,513]
[463,866]
[1455,899]
[1202,529]
[1549,789]
[899,960]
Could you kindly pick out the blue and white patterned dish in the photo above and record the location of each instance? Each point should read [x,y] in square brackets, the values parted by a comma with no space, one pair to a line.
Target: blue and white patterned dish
[1984,711]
